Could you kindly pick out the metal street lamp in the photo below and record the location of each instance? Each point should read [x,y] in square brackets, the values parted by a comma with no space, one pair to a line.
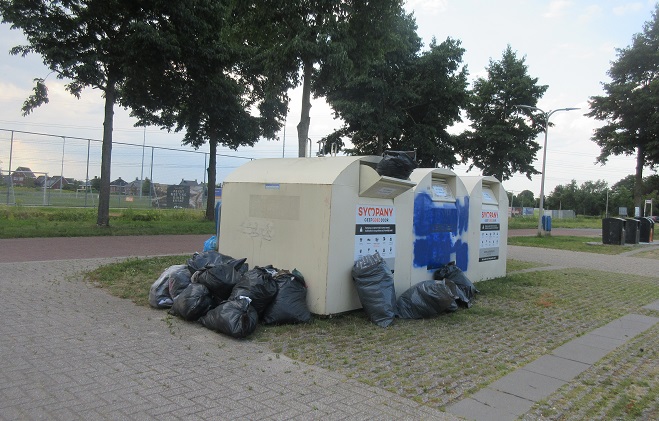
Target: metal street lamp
[544,157]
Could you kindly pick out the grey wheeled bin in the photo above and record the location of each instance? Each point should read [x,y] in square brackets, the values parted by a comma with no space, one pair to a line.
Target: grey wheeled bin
[646,230]
[613,231]
[632,231]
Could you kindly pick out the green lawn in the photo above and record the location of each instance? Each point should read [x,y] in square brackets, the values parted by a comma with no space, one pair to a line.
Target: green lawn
[574,243]
[24,222]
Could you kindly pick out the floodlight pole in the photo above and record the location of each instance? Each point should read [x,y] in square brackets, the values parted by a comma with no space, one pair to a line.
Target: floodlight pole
[546,115]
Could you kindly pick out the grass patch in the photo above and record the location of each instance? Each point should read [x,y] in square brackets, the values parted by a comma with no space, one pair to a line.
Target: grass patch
[29,222]
[132,278]
[513,265]
[578,222]
[565,242]
[436,362]
[649,254]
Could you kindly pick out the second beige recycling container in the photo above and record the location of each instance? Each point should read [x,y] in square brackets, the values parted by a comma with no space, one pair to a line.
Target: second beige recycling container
[318,215]
[440,222]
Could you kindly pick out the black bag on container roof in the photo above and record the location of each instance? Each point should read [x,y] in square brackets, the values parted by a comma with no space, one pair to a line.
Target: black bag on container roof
[236,318]
[425,300]
[454,274]
[179,279]
[290,303]
[258,285]
[396,164]
[211,257]
[221,278]
[193,302]
[375,287]
[159,296]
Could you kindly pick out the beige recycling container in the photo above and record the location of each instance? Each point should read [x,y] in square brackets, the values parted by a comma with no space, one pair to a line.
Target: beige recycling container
[439,227]
[318,215]
[487,235]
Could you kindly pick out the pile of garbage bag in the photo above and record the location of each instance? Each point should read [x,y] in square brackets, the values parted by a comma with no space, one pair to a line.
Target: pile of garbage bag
[445,293]
[224,295]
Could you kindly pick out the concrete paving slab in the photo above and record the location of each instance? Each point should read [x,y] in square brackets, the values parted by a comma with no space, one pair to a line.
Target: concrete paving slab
[503,401]
[626,327]
[579,352]
[471,409]
[652,306]
[527,384]
[557,367]
[597,341]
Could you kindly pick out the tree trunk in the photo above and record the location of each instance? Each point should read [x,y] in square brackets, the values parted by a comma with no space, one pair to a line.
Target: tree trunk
[212,161]
[305,119]
[103,217]
[638,178]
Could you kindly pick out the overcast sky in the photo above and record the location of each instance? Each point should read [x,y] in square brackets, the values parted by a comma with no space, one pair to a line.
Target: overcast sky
[567,45]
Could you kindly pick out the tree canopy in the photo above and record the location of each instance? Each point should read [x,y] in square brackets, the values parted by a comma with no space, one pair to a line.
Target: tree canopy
[314,43]
[210,80]
[92,43]
[502,142]
[629,105]
[403,100]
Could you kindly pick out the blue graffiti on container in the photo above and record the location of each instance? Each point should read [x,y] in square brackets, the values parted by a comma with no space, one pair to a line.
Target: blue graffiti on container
[439,228]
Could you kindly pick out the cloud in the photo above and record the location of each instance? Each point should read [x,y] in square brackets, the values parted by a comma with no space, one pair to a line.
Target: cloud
[557,9]
[591,13]
[627,8]
[423,7]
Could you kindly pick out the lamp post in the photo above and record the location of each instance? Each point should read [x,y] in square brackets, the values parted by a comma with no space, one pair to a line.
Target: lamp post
[546,115]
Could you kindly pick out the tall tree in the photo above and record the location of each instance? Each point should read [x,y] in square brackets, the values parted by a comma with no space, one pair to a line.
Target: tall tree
[406,100]
[317,41]
[210,80]
[501,142]
[89,43]
[629,105]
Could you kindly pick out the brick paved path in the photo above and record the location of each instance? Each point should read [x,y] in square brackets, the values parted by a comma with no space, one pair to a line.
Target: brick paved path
[69,351]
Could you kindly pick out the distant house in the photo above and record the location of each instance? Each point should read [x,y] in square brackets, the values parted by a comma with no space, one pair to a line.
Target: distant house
[118,186]
[188,183]
[58,182]
[133,188]
[23,176]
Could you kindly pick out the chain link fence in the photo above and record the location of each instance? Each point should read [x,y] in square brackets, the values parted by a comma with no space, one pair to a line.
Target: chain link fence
[42,169]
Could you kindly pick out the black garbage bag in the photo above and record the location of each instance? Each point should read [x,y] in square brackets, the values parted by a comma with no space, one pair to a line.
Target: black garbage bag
[236,318]
[193,302]
[258,285]
[290,303]
[396,164]
[375,287]
[159,296]
[425,300]
[454,274]
[221,278]
[211,257]
[179,280]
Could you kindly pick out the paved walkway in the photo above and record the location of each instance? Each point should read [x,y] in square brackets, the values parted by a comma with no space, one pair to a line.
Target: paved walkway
[70,351]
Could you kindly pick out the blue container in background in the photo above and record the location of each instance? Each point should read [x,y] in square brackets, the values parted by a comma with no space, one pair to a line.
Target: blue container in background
[546,223]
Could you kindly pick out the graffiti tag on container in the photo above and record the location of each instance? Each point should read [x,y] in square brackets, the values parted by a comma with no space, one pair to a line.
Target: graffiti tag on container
[264,230]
